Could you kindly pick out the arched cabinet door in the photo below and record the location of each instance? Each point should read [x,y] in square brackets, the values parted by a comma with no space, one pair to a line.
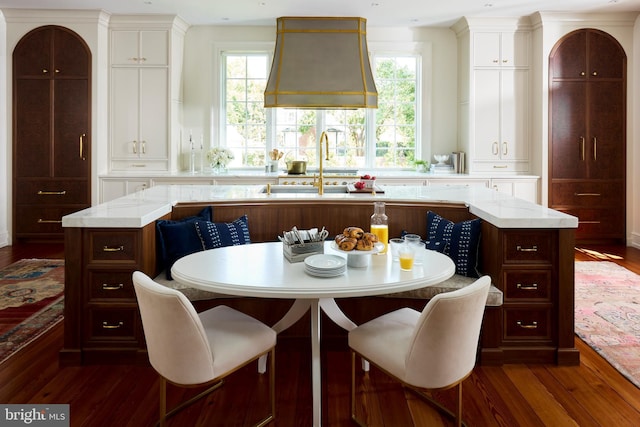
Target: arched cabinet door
[587,119]
[51,130]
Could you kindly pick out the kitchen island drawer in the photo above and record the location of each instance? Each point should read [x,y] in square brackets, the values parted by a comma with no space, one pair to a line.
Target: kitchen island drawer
[527,285]
[116,325]
[110,285]
[527,323]
[529,246]
[113,246]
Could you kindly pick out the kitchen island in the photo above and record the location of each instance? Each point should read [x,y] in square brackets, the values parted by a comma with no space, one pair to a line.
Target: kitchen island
[527,250]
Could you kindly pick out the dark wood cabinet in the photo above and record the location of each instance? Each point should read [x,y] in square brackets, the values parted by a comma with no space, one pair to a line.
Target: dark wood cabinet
[51,129]
[588,133]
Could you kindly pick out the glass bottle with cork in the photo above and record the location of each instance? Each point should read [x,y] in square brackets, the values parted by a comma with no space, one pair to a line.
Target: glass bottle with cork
[380,225]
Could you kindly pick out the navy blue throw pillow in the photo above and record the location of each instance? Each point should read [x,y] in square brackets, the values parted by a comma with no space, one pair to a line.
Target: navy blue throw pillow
[177,238]
[218,234]
[461,241]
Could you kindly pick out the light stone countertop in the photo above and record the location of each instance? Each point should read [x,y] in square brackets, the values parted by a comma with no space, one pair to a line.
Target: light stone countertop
[141,208]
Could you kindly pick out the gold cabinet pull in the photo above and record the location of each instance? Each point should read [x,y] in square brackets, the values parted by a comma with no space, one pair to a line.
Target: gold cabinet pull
[587,194]
[144,147]
[505,148]
[531,287]
[582,73]
[582,148]
[82,157]
[532,325]
[135,147]
[595,73]
[49,221]
[52,193]
[494,148]
[533,248]
[595,148]
[113,248]
[107,325]
[500,166]
[108,287]
[45,71]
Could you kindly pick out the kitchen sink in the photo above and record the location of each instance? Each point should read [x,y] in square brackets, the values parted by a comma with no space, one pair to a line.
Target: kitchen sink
[309,189]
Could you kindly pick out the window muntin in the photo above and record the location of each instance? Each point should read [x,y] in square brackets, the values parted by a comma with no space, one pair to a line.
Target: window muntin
[393,126]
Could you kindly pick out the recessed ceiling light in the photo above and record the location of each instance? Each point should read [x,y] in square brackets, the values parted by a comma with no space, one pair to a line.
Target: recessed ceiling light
[148,2]
[488,5]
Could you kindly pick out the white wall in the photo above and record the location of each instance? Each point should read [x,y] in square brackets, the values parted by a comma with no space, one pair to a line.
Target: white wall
[438,47]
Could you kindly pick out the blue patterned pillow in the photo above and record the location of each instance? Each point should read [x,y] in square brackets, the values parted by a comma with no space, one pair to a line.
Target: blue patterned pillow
[218,234]
[179,238]
[461,240]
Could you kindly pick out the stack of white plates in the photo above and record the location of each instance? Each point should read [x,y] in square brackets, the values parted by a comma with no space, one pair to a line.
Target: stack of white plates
[323,265]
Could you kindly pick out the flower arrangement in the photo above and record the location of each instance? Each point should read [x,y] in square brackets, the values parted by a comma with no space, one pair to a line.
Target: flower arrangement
[219,157]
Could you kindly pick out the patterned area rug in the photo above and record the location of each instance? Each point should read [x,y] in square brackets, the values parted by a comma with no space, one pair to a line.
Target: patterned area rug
[608,314]
[31,302]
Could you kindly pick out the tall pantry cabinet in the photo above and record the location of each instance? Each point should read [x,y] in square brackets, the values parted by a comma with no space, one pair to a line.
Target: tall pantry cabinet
[51,131]
[587,133]
[145,63]
[494,82]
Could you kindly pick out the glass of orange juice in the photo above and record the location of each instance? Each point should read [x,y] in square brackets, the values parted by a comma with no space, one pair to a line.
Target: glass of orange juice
[406,256]
[382,231]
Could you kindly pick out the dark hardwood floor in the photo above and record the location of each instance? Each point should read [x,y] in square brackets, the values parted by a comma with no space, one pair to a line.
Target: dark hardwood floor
[592,394]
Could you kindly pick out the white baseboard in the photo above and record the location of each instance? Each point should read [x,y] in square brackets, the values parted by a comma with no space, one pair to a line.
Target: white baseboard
[634,240]
[4,239]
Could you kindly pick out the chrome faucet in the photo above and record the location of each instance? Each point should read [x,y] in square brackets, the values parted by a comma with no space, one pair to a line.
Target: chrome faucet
[320,184]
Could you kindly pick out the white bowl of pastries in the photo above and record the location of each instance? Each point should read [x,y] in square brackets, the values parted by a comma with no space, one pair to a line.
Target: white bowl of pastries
[355,242]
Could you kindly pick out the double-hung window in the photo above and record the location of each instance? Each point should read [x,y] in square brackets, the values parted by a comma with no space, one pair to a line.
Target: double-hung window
[386,137]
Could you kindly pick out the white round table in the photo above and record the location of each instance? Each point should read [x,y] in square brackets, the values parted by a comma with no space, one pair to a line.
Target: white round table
[261,270]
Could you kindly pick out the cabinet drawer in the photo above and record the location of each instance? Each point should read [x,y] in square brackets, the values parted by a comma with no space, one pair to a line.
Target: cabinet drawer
[587,194]
[111,285]
[53,192]
[113,246]
[529,246]
[599,223]
[112,324]
[532,285]
[527,323]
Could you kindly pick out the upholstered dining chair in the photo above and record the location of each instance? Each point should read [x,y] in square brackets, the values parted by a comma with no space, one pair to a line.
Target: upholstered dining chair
[191,349]
[429,350]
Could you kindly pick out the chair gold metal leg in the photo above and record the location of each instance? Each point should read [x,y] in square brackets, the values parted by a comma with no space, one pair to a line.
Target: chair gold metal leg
[459,406]
[457,416]
[353,391]
[163,401]
[272,390]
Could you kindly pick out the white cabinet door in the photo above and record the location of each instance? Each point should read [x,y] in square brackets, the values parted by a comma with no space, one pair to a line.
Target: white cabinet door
[139,118]
[501,100]
[514,114]
[522,188]
[487,115]
[111,188]
[501,49]
[130,47]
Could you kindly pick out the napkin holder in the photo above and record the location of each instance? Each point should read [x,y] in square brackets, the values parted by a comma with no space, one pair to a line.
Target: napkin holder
[298,252]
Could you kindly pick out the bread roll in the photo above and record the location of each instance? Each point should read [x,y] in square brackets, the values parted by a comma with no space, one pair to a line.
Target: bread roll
[348,244]
[354,232]
[370,237]
[364,245]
